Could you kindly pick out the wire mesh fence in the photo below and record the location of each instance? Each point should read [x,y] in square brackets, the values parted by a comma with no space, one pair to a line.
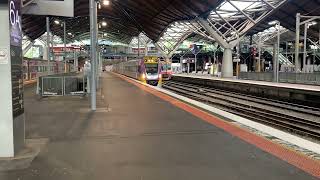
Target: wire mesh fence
[62,85]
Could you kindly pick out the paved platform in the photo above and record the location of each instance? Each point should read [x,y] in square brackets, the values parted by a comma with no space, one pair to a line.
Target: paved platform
[314,88]
[136,135]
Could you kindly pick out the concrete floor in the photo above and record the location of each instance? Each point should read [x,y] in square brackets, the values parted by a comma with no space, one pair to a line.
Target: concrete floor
[141,137]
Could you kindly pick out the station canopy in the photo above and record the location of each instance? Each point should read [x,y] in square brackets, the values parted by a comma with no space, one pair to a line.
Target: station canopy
[169,22]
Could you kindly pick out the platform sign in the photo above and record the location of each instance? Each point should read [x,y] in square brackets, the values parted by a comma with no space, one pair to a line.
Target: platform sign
[15,23]
[16,57]
[195,49]
[11,91]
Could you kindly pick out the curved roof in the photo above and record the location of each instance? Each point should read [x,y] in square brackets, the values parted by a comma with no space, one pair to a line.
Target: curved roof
[287,16]
[125,18]
[128,18]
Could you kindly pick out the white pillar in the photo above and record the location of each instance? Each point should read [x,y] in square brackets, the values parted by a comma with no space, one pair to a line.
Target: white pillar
[11,92]
[275,62]
[305,47]
[297,60]
[93,35]
[48,44]
[227,64]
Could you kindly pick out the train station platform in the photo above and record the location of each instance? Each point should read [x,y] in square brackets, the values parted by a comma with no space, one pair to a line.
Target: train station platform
[304,87]
[296,93]
[138,133]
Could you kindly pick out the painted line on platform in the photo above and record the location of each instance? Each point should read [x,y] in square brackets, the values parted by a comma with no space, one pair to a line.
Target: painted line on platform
[299,160]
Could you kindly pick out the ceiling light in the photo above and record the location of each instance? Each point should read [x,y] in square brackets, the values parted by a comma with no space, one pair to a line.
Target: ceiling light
[106,2]
[103,23]
[312,23]
[69,33]
[99,6]
[105,34]
[272,23]
[56,21]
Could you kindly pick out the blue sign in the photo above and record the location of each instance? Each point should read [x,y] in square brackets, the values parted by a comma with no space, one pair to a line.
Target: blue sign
[15,23]
[195,49]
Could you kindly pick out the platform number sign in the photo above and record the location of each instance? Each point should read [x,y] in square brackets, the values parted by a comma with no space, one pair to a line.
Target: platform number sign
[16,57]
[15,22]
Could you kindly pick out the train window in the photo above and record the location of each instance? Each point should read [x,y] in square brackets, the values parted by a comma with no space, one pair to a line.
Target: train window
[152,68]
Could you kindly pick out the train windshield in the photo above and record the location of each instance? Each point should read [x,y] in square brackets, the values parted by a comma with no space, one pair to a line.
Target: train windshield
[151,68]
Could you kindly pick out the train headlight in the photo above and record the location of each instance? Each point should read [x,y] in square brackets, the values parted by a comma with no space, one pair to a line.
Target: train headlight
[160,76]
[143,76]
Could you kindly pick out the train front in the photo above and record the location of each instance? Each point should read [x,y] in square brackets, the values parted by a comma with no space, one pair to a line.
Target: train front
[152,74]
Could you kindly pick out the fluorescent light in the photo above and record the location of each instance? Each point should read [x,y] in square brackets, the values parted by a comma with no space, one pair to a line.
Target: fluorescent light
[69,33]
[106,2]
[99,6]
[312,23]
[273,22]
[103,23]
[105,34]
[56,21]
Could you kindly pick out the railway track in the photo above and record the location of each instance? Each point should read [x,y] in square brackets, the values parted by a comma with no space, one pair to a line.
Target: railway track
[296,118]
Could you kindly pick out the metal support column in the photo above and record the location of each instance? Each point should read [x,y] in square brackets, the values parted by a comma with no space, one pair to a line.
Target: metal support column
[275,62]
[259,58]
[138,46]
[146,49]
[195,63]
[227,64]
[48,44]
[93,35]
[75,59]
[278,52]
[305,47]
[296,57]
[64,46]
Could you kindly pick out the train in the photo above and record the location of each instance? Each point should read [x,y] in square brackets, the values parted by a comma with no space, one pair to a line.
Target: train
[147,70]
[34,68]
[166,69]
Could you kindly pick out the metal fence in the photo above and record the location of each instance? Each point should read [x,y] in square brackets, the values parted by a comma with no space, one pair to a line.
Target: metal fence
[284,77]
[62,85]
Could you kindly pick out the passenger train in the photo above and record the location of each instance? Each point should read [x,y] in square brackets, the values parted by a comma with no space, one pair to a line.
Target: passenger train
[166,70]
[147,70]
[33,68]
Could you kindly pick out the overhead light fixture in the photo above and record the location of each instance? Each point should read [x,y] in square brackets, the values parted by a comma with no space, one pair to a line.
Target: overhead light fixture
[69,33]
[104,24]
[312,23]
[106,2]
[272,23]
[99,6]
[56,21]
[105,34]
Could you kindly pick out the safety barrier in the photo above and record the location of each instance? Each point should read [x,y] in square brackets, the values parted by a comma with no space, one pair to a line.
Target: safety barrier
[70,84]
[284,77]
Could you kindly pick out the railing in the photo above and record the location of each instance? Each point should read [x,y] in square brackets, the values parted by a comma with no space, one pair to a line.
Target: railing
[284,77]
[69,84]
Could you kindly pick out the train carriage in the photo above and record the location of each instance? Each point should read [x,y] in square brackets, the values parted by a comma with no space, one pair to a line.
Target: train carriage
[147,70]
